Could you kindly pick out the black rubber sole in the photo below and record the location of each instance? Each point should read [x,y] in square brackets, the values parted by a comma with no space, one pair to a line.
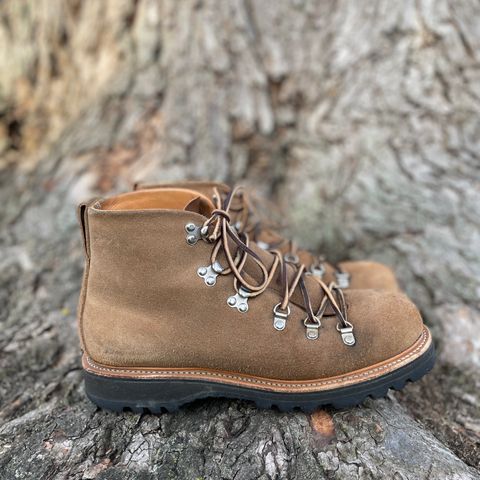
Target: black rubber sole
[165,395]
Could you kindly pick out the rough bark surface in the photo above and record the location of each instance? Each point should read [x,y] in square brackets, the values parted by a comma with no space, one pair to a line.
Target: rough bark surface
[361,118]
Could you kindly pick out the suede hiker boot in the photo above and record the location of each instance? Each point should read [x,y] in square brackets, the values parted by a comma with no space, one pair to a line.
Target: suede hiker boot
[247,217]
[177,305]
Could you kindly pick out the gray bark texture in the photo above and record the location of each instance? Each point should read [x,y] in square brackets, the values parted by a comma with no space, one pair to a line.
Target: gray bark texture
[360,118]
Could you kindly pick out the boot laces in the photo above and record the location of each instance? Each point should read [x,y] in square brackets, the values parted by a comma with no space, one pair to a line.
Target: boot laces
[249,219]
[219,231]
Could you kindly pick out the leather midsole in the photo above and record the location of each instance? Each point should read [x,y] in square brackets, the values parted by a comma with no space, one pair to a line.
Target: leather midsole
[251,381]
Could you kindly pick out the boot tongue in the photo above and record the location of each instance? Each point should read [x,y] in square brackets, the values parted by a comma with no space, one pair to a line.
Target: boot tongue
[267,258]
[200,204]
[314,290]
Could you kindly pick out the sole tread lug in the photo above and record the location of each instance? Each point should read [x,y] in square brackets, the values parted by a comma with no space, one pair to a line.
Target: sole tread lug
[169,395]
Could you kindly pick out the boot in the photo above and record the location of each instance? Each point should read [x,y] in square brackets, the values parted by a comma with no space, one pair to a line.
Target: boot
[177,305]
[248,217]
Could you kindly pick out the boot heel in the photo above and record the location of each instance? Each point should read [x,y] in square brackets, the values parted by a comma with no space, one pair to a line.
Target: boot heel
[141,396]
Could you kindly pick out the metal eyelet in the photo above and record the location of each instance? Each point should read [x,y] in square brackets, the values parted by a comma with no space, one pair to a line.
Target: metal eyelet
[291,258]
[239,300]
[280,317]
[318,270]
[210,273]
[342,279]
[312,328]
[347,334]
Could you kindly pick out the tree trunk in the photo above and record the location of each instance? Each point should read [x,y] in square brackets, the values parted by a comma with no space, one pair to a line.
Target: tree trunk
[360,118]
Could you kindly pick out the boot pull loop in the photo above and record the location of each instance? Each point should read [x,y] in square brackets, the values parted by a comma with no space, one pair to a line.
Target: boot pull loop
[82,217]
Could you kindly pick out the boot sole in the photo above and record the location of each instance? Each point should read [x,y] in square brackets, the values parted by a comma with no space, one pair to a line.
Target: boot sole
[141,395]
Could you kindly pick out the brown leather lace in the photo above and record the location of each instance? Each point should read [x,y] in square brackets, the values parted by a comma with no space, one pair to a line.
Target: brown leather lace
[249,219]
[218,230]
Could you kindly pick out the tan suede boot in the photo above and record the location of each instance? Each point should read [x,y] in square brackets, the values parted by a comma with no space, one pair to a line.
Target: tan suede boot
[358,274]
[176,305]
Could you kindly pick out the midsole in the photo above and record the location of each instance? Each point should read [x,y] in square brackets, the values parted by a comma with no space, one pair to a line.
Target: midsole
[261,383]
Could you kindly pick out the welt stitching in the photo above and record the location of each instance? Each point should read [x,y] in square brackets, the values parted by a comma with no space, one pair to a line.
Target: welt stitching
[264,382]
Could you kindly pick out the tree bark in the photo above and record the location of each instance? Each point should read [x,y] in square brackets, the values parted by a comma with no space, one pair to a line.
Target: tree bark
[360,118]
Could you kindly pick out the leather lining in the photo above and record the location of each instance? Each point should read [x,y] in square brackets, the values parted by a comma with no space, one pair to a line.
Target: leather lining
[161,198]
[250,381]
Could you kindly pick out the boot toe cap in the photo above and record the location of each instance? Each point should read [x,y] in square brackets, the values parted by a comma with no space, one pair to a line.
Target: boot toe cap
[385,324]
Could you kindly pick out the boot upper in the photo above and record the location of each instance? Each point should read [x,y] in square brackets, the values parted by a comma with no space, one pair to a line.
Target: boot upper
[143,303]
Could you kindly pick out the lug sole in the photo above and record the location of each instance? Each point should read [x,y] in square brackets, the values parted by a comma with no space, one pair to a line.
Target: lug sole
[168,395]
